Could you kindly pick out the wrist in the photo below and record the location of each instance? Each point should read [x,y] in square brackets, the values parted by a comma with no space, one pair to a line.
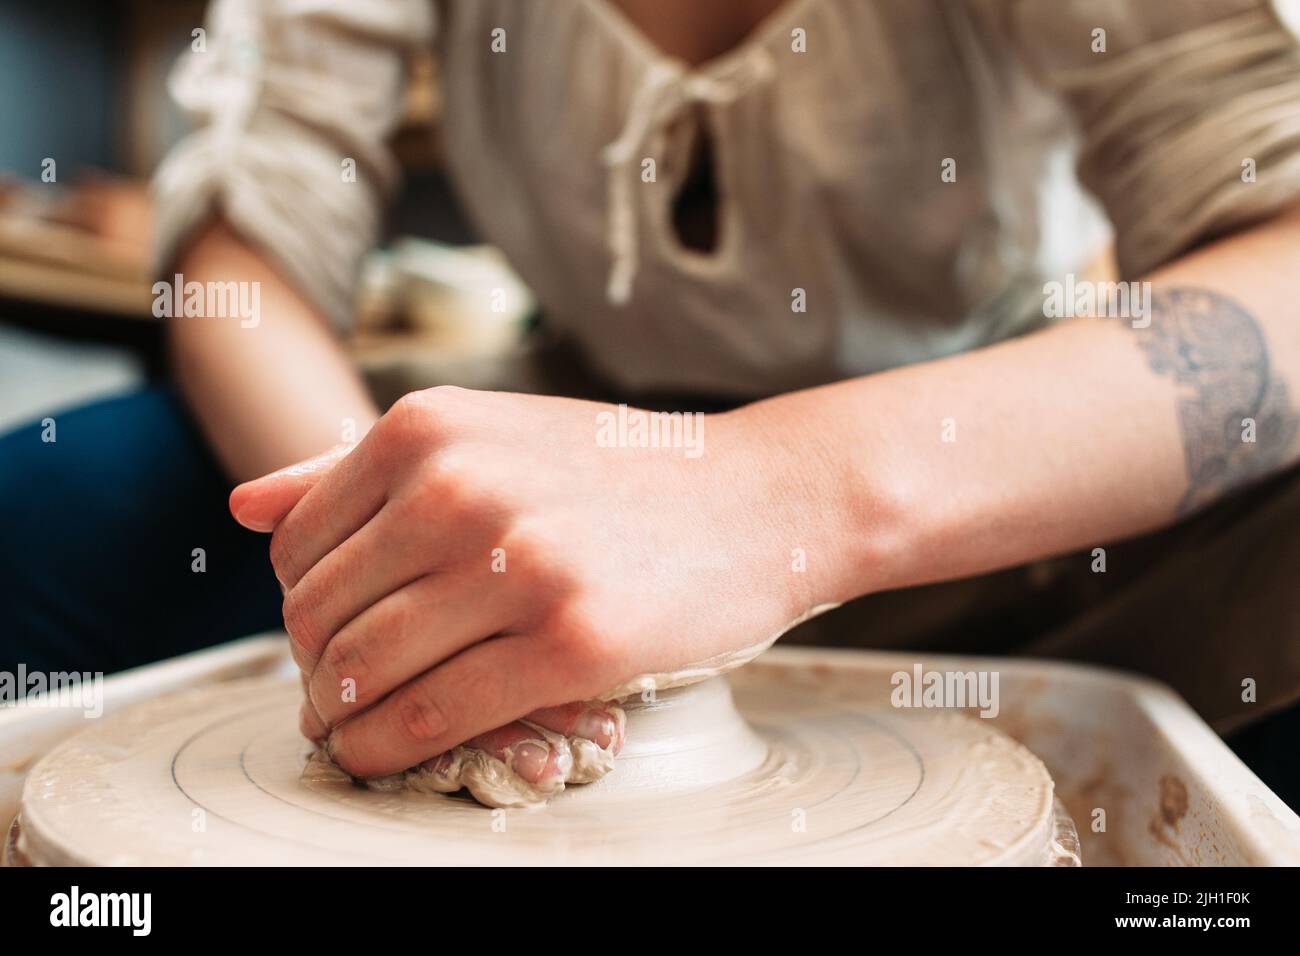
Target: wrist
[831,499]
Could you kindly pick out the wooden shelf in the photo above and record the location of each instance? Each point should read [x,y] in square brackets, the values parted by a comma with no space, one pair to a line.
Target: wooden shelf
[64,287]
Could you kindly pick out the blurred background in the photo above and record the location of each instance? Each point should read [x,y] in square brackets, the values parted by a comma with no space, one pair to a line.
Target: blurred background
[83,83]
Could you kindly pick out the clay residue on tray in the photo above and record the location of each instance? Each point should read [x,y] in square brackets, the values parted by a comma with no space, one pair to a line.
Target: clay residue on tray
[1173,800]
[1170,809]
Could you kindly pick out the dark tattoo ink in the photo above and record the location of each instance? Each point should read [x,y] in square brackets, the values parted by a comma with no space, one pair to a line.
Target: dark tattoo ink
[1215,352]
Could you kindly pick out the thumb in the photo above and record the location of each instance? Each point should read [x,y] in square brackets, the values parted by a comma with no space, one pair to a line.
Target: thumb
[262,503]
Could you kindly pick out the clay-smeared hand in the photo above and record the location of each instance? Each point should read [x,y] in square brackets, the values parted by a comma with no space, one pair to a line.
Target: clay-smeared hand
[521,764]
[481,556]
[518,765]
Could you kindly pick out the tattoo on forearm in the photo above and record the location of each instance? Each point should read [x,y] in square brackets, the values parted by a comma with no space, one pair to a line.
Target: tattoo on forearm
[1216,353]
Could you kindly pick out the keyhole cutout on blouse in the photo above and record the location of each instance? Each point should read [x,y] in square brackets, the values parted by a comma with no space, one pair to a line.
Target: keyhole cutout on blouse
[695,208]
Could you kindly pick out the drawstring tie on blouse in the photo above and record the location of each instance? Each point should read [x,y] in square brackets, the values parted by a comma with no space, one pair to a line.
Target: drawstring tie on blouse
[666,90]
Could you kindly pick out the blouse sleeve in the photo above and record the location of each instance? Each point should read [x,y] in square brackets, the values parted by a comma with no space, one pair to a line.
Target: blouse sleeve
[1189,110]
[295,100]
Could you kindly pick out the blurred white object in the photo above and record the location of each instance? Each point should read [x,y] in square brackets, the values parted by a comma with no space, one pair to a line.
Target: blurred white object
[40,374]
[465,300]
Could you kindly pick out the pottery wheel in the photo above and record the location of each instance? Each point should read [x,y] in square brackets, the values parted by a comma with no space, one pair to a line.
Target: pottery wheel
[819,770]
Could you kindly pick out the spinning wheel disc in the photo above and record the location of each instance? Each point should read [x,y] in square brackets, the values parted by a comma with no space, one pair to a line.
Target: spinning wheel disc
[215,776]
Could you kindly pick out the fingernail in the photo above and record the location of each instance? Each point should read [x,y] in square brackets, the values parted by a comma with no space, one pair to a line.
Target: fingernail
[596,726]
[252,524]
[529,761]
[261,527]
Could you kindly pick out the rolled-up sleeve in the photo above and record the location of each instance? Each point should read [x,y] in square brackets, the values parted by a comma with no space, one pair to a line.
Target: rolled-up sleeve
[1190,115]
[295,101]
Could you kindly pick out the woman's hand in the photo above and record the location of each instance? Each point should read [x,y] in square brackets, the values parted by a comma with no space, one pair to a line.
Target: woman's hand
[483,556]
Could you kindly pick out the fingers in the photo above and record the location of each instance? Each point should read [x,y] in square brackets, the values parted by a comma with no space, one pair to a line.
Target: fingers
[351,493]
[357,574]
[525,751]
[340,503]
[406,633]
[489,685]
[262,504]
[309,723]
[401,544]
[518,745]
[593,720]
[535,758]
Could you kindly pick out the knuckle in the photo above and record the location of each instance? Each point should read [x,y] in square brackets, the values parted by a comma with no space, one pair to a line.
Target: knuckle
[344,657]
[589,649]
[404,422]
[305,725]
[525,547]
[309,724]
[281,551]
[440,396]
[420,716]
[455,489]
[445,482]
[298,622]
[399,617]
[426,414]
[536,550]
[412,405]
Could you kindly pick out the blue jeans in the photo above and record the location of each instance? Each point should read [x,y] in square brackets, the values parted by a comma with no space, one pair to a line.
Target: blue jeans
[98,533]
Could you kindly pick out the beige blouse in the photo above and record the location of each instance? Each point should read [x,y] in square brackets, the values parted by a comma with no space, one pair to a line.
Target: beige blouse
[831,125]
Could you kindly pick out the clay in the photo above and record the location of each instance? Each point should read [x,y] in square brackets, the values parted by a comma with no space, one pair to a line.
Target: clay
[494,783]
[491,780]
[710,667]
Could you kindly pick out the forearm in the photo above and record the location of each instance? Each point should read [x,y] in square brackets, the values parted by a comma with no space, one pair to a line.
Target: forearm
[1085,433]
[271,394]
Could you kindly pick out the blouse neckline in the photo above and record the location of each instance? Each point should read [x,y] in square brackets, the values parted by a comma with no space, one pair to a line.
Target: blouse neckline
[765,32]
